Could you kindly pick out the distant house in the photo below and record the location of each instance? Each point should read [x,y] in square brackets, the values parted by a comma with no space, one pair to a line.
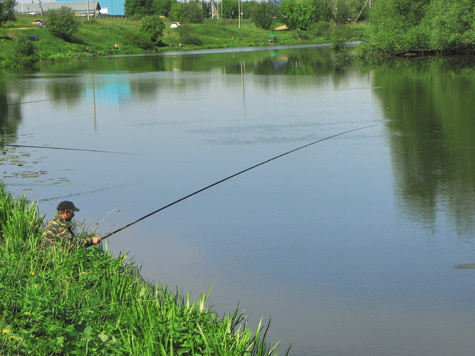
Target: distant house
[80,7]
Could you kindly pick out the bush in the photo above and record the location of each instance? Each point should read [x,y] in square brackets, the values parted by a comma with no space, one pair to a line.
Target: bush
[321,28]
[152,28]
[339,37]
[62,22]
[396,24]
[140,40]
[300,35]
[23,52]
[187,37]
[263,15]
[297,14]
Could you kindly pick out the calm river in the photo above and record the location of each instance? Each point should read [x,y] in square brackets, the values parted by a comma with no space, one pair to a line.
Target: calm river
[351,246]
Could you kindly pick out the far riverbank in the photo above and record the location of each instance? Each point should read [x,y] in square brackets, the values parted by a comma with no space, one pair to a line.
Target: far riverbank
[97,37]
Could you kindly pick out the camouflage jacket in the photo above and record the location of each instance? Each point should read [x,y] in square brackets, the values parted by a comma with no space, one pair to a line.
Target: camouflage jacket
[60,232]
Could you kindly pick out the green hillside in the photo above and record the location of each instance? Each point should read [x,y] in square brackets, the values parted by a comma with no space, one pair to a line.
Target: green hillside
[98,37]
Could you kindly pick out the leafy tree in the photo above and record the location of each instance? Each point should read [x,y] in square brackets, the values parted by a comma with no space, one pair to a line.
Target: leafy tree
[322,11]
[176,11]
[7,11]
[139,8]
[187,12]
[396,24]
[342,12]
[450,25]
[263,15]
[23,52]
[152,27]
[297,14]
[62,22]
[230,9]
[192,13]
[247,8]
[162,7]
[206,9]
[140,39]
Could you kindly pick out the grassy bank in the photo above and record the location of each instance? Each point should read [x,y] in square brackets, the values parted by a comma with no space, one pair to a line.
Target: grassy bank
[99,36]
[88,303]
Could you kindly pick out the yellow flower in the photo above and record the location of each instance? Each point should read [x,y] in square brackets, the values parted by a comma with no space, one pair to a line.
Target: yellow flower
[32,273]
[5,331]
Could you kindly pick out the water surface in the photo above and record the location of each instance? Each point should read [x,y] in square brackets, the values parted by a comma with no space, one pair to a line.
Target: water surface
[348,245]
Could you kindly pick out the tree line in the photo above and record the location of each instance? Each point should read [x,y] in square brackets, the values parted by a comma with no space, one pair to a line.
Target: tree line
[296,14]
[440,26]
[396,26]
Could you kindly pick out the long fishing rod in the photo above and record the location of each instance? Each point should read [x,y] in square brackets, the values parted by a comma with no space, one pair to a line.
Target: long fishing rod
[234,175]
[67,149]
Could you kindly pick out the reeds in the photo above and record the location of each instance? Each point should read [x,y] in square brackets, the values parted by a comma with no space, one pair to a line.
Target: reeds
[86,302]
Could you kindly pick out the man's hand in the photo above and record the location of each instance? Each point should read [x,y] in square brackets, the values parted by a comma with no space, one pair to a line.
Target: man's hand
[96,240]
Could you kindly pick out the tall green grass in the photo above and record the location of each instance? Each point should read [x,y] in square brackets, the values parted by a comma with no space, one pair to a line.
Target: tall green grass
[86,302]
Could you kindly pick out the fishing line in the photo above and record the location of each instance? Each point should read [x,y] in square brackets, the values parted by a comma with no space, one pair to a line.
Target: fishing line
[79,194]
[69,149]
[234,175]
[34,101]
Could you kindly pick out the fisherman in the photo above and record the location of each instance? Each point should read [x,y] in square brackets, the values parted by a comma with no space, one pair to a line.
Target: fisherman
[59,230]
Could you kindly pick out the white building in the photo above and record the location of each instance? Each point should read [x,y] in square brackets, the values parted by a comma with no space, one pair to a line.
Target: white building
[36,7]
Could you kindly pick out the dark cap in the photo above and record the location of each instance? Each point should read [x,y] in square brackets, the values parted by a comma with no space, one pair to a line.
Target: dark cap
[67,205]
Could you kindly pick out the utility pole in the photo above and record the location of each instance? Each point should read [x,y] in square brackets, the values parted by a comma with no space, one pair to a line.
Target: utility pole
[87,10]
[239,8]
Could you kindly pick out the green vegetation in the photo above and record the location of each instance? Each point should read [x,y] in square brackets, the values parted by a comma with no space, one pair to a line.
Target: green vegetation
[23,52]
[187,12]
[62,23]
[152,28]
[7,11]
[442,26]
[264,15]
[395,27]
[98,36]
[86,302]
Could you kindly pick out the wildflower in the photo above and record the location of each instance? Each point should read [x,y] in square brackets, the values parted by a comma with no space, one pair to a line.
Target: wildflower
[32,273]
[5,331]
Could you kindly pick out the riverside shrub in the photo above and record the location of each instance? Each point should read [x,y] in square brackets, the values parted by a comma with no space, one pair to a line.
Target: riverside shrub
[24,52]
[62,22]
[152,27]
[263,15]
